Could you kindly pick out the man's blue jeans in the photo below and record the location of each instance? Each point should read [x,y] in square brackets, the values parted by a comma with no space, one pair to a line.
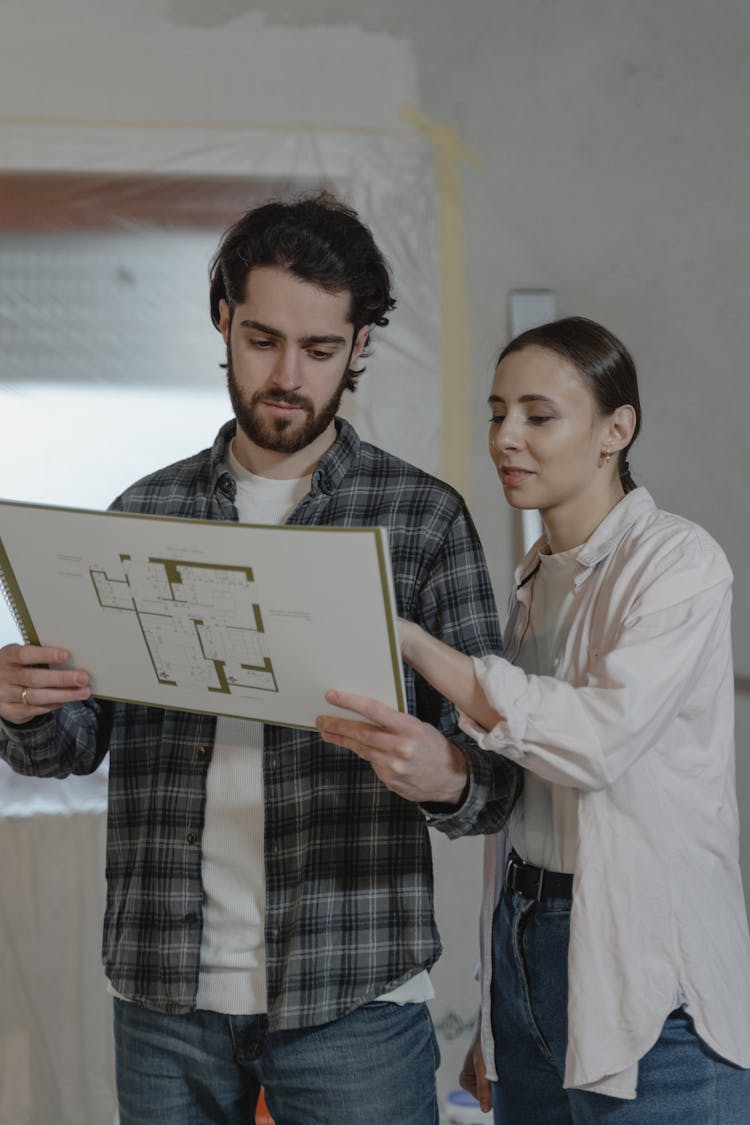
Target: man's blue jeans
[373,1066]
[681,1081]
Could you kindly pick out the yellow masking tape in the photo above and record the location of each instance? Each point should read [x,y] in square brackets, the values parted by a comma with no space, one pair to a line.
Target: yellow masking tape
[457,372]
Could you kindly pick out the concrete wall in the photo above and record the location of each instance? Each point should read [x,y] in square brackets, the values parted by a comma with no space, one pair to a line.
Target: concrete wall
[615,160]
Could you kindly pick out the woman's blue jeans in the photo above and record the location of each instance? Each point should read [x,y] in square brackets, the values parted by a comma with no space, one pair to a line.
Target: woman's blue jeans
[681,1081]
[375,1065]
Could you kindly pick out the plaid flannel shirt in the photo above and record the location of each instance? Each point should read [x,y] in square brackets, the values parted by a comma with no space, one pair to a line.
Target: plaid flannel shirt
[349,901]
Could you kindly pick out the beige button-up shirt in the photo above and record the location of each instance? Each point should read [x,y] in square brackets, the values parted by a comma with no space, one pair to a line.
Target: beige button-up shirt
[639,721]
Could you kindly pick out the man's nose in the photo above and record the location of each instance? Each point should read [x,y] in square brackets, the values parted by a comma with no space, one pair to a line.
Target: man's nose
[287,372]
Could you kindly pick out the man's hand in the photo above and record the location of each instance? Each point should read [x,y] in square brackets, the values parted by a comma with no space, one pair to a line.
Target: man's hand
[473,1076]
[410,757]
[29,688]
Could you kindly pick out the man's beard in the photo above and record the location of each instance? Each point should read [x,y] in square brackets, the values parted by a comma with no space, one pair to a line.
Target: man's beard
[281,435]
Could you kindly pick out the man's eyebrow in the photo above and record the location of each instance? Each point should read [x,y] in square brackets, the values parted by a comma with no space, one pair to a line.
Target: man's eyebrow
[258,326]
[305,341]
[523,398]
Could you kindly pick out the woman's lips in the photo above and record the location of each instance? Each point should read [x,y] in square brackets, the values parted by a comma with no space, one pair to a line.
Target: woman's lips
[509,474]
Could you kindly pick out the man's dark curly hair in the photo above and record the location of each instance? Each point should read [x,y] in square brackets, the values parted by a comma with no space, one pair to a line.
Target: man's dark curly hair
[318,239]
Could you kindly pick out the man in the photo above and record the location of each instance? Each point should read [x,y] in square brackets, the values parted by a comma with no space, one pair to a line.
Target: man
[269,912]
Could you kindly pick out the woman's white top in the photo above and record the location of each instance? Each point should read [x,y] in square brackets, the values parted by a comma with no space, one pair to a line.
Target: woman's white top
[543,827]
[637,720]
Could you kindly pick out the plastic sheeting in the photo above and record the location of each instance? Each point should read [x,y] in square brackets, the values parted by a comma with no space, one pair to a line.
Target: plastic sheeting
[108,369]
[111,288]
[109,362]
[56,1064]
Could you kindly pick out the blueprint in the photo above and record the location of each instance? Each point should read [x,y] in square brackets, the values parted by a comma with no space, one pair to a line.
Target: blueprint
[232,619]
[199,622]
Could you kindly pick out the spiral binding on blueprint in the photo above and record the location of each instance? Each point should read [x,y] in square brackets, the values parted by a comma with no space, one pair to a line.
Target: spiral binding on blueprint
[7,585]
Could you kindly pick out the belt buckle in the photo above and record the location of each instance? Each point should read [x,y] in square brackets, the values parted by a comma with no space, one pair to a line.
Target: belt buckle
[539,883]
[515,864]
[509,871]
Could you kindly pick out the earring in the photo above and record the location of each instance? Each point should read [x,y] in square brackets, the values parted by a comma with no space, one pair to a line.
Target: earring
[607,455]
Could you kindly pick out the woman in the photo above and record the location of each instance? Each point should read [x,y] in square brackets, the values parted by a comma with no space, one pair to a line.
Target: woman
[618,987]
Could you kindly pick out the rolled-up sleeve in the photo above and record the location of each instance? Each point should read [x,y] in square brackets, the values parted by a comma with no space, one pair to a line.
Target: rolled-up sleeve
[587,735]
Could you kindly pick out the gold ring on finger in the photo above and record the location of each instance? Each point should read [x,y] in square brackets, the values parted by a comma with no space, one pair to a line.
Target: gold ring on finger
[25,696]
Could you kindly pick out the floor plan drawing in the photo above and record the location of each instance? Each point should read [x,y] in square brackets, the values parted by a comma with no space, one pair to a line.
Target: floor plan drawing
[201,622]
[246,621]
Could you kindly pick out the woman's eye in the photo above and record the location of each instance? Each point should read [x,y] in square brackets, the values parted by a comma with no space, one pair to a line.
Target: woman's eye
[540,419]
[496,419]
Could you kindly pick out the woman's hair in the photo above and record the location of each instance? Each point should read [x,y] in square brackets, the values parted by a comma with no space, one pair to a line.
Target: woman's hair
[601,359]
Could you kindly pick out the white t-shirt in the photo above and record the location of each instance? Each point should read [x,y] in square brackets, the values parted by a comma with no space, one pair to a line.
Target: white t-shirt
[232,977]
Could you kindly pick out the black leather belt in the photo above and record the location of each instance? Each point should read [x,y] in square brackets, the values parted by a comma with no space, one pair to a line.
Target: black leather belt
[536,882]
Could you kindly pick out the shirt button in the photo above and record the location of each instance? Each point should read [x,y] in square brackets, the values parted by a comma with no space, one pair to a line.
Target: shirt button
[192,838]
[273,761]
[202,751]
[190,919]
[275,933]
